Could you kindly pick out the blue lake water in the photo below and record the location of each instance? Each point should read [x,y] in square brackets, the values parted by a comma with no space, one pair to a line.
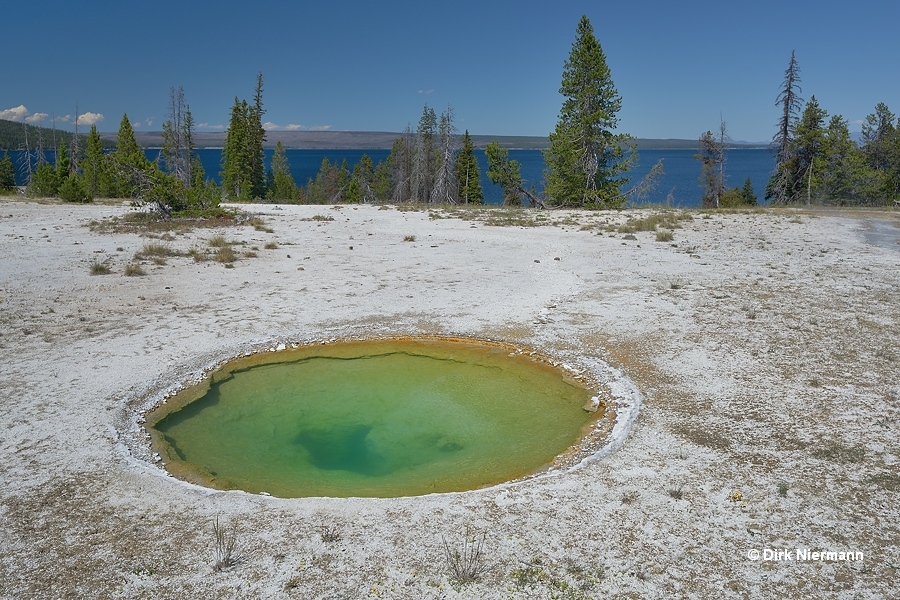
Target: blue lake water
[678,186]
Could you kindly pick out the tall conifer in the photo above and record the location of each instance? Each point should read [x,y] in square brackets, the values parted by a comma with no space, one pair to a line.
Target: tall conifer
[586,159]
[468,175]
[781,187]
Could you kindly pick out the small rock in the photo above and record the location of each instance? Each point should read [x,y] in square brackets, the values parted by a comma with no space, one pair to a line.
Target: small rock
[592,405]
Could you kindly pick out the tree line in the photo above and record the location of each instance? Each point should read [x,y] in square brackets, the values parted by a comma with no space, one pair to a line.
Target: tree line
[816,158]
[587,161]
[818,161]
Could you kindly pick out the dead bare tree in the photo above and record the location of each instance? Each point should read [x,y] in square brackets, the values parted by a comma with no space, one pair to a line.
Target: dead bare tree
[402,153]
[25,158]
[177,137]
[647,184]
[445,185]
[73,146]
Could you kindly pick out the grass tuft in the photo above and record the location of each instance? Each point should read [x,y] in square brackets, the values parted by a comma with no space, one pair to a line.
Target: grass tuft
[99,268]
[677,493]
[225,255]
[134,270]
[330,533]
[217,241]
[226,542]
[466,562]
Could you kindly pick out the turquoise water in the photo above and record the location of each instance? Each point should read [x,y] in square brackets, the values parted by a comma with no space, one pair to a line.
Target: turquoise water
[381,419]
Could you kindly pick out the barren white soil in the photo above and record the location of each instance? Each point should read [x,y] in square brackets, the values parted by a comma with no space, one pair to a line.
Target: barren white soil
[762,347]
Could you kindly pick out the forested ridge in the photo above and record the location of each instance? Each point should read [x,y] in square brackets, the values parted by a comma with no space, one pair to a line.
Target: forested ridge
[19,136]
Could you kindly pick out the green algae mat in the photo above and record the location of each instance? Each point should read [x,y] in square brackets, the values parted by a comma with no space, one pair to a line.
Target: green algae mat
[379,418]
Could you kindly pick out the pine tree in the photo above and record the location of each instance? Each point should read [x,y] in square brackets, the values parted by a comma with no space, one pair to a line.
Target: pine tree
[809,138]
[72,188]
[44,181]
[425,156]
[132,171]
[283,185]
[504,172]
[236,178]
[782,184]
[363,178]
[877,131]
[586,160]
[382,185]
[128,152]
[748,196]
[94,166]
[243,158]
[468,174]
[63,163]
[7,173]
[255,139]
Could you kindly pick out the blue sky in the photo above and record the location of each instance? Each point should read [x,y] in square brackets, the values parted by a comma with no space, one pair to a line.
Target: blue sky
[365,65]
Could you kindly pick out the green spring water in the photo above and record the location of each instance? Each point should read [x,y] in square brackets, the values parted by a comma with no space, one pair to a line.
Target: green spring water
[382,419]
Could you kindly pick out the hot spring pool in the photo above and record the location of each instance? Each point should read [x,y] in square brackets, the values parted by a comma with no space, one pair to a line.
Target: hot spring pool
[371,418]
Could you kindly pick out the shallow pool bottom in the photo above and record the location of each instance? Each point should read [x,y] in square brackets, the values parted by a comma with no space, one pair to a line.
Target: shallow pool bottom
[378,418]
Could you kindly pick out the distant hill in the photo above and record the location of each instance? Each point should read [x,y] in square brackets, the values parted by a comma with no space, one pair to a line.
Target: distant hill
[12,137]
[365,140]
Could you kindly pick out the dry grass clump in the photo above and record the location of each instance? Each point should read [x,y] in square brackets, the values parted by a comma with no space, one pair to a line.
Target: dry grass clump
[156,253]
[99,268]
[134,270]
[225,254]
[217,241]
[153,224]
[259,224]
[198,254]
[667,220]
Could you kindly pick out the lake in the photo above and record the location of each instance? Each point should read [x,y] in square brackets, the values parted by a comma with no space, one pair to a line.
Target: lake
[678,186]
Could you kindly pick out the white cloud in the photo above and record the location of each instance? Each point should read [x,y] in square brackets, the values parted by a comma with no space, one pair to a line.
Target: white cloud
[149,122]
[64,118]
[426,92]
[270,126]
[294,127]
[17,113]
[36,117]
[320,128]
[89,118]
[208,126]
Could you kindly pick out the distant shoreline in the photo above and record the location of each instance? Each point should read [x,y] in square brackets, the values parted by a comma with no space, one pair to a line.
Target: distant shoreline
[366,140]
